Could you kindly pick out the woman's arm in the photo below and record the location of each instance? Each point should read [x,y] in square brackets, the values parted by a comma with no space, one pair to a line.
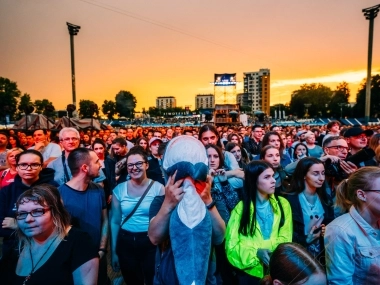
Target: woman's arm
[87,273]
[115,221]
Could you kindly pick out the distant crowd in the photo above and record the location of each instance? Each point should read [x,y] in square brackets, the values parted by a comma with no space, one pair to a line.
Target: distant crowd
[289,205]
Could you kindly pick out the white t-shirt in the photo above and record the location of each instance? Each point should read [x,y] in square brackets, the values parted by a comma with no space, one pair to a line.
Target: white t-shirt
[139,222]
[51,150]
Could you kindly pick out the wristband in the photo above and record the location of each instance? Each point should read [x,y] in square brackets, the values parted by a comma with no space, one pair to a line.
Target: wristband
[211,205]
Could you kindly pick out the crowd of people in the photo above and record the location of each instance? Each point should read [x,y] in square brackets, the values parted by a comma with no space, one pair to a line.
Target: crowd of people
[288,205]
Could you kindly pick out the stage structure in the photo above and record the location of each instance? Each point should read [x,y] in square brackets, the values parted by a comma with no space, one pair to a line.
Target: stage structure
[225,88]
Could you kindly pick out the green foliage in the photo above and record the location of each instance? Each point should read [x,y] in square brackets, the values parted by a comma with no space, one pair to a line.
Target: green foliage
[109,109]
[25,105]
[9,94]
[88,108]
[359,108]
[125,104]
[153,112]
[44,107]
[318,95]
[339,101]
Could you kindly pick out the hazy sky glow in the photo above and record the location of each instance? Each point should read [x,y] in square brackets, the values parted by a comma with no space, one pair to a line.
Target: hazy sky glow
[173,48]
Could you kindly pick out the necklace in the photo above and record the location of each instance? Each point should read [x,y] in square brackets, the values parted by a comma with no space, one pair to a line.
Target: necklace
[34,266]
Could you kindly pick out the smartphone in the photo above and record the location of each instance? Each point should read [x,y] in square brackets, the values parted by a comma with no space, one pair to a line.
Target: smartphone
[317,230]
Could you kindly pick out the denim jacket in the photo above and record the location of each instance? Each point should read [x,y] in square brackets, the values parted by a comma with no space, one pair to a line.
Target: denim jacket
[352,251]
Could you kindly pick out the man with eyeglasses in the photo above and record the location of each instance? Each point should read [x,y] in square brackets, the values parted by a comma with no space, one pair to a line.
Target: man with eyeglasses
[85,201]
[50,151]
[253,145]
[69,138]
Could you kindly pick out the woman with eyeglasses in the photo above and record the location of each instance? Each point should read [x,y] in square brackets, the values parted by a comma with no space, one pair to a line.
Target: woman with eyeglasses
[311,208]
[50,251]
[352,240]
[132,251]
[29,173]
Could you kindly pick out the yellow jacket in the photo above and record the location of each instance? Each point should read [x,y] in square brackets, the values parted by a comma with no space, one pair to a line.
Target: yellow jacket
[242,250]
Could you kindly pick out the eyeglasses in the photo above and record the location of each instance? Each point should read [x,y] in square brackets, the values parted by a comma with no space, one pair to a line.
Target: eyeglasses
[137,164]
[25,166]
[70,139]
[339,147]
[34,213]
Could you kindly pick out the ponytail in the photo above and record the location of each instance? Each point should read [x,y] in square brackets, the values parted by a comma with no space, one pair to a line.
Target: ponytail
[343,201]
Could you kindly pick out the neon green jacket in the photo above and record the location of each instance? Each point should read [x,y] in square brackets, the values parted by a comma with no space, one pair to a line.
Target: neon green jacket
[242,250]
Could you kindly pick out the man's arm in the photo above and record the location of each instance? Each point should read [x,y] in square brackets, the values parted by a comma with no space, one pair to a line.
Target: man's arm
[159,225]
[104,233]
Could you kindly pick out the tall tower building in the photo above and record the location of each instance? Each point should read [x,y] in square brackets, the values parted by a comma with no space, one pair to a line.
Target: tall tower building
[257,90]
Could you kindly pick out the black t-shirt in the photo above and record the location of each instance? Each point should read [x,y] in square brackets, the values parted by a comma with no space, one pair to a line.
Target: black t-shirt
[73,251]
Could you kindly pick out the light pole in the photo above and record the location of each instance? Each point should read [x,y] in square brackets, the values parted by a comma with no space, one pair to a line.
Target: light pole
[370,14]
[341,109]
[73,31]
[307,110]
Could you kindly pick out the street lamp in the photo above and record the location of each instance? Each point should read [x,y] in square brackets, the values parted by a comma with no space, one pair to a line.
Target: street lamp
[341,109]
[307,110]
[73,31]
[370,14]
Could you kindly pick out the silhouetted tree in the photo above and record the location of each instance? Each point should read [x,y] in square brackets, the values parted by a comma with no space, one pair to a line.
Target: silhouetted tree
[359,108]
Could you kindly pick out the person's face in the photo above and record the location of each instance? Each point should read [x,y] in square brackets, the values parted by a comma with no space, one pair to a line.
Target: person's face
[289,141]
[30,140]
[257,133]
[236,152]
[274,141]
[122,133]
[12,141]
[266,183]
[94,165]
[208,137]
[101,133]
[70,141]
[3,140]
[149,135]
[242,132]
[276,129]
[300,151]
[129,134]
[178,130]
[157,135]
[105,137]
[358,142]
[337,148]
[284,139]
[136,166]
[154,147]
[119,149]
[272,156]
[224,135]
[169,133]
[315,177]
[29,175]
[86,138]
[23,140]
[373,198]
[143,144]
[35,227]
[213,158]
[335,128]
[310,139]
[12,157]
[113,136]
[235,139]
[229,131]
[99,150]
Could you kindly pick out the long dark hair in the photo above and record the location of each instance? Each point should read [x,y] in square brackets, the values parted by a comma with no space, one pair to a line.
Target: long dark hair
[297,185]
[210,128]
[295,148]
[220,153]
[252,172]
[265,141]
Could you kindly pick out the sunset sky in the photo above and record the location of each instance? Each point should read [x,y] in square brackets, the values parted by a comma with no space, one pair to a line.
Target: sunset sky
[173,48]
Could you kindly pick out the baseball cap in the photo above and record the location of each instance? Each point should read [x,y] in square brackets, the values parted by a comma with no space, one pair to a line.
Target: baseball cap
[154,139]
[353,132]
[301,133]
